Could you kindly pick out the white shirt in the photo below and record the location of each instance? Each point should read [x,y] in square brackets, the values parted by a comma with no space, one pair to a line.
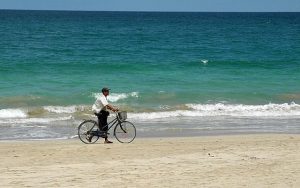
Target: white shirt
[100,104]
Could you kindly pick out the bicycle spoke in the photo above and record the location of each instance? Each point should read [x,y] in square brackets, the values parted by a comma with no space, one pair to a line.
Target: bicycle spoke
[125,132]
[87,130]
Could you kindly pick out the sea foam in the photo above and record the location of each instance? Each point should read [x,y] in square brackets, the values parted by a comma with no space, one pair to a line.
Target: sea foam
[12,113]
[35,120]
[219,109]
[61,109]
[114,97]
[271,109]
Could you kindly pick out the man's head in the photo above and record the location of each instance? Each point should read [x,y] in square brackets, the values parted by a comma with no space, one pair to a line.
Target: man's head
[105,91]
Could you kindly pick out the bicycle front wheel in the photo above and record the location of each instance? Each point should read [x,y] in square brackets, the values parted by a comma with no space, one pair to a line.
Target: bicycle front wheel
[88,132]
[125,132]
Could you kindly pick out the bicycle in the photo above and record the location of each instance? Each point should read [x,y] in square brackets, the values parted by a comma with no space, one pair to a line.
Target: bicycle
[124,131]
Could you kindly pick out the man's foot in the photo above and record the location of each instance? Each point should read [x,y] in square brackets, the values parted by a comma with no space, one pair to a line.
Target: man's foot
[89,137]
[108,142]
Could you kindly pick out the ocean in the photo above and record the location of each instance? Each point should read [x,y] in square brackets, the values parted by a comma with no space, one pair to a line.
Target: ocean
[176,74]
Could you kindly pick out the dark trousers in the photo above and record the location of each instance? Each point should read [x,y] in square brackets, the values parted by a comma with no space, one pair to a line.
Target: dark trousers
[102,120]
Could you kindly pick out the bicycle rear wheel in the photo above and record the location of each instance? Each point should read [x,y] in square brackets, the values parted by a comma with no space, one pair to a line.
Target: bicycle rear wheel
[88,132]
[125,132]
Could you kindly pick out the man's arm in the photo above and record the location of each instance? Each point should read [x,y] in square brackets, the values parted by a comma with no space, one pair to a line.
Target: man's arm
[110,107]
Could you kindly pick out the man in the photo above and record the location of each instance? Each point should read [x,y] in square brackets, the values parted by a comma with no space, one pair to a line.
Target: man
[101,108]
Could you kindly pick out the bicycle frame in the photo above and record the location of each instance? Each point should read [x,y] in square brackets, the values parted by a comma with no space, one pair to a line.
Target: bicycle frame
[124,131]
[110,124]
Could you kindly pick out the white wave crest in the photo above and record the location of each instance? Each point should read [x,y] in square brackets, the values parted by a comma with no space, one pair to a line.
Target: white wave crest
[12,113]
[204,61]
[157,115]
[35,120]
[248,110]
[268,110]
[65,109]
[61,109]
[114,97]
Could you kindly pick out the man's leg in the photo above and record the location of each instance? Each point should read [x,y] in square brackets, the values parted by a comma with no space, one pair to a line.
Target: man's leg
[102,120]
[103,124]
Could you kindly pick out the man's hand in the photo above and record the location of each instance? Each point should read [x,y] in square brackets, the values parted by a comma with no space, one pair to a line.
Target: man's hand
[110,107]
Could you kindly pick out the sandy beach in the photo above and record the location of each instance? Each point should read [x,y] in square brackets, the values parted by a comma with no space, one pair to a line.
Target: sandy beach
[215,161]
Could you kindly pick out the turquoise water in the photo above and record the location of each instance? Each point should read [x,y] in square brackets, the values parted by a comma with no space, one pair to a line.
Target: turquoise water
[160,65]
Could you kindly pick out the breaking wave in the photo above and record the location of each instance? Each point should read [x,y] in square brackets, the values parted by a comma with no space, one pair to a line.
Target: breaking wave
[114,97]
[61,109]
[187,110]
[239,110]
[12,113]
[35,120]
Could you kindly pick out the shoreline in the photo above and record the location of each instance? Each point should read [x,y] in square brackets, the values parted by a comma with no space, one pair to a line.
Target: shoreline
[263,160]
[161,136]
[164,127]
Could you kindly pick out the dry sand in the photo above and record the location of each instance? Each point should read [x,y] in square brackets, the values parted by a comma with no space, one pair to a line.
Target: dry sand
[218,161]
